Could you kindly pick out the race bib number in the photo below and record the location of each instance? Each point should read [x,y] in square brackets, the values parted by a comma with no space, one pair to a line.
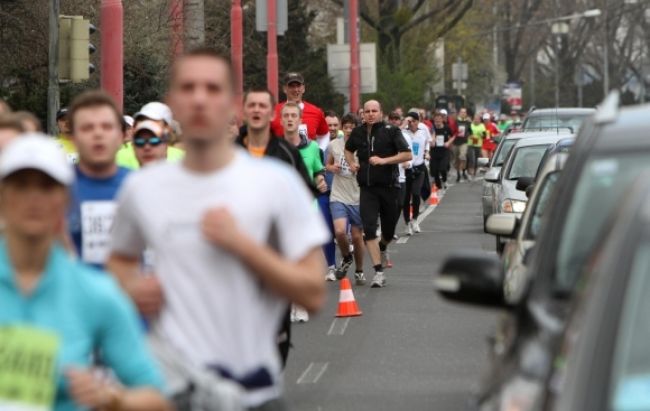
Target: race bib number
[345,167]
[96,221]
[461,131]
[440,141]
[27,368]
[416,148]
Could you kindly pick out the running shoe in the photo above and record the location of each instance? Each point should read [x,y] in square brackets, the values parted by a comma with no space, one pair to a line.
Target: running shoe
[360,278]
[378,281]
[416,227]
[409,229]
[331,274]
[342,271]
[301,316]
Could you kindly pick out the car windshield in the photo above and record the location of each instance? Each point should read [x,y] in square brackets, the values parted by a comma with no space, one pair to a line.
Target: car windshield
[526,161]
[631,371]
[550,120]
[599,189]
[503,151]
[546,189]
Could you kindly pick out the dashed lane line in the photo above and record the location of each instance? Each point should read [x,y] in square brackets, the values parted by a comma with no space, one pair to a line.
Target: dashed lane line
[338,326]
[313,373]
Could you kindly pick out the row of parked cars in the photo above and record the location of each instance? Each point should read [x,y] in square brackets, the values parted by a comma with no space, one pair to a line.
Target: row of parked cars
[574,275]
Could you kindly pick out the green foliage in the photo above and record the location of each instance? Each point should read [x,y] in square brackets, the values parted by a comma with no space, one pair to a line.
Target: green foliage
[403,87]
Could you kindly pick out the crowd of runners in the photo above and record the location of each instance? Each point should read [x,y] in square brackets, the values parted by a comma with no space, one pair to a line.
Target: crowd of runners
[223,236]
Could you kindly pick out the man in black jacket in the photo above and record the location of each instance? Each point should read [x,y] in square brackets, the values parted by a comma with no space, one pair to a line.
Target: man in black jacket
[380,147]
[257,138]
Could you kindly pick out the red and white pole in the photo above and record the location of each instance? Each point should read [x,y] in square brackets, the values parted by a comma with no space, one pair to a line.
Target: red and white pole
[176,17]
[272,45]
[237,47]
[112,57]
[355,75]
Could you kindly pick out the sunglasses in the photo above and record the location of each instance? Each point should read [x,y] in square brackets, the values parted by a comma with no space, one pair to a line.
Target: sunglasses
[152,141]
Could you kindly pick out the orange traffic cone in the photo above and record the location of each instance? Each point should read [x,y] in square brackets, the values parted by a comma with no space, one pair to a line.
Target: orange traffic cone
[347,304]
[434,199]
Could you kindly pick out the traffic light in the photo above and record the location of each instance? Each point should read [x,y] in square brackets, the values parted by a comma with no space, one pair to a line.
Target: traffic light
[75,48]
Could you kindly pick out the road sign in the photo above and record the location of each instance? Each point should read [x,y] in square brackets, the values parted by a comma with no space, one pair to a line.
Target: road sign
[338,67]
[459,71]
[460,85]
[261,18]
[512,93]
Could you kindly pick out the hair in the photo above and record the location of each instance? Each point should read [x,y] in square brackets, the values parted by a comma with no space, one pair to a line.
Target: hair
[331,113]
[11,122]
[291,104]
[204,52]
[92,99]
[394,115]
[4,107]
[27,117]
[349,119]
[438,114]
[260,90]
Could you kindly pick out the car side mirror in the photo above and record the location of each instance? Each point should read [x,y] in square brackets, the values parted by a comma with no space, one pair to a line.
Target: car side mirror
[471,277]
[529,190]
[504,224]
[524,182]
[492,175]
[483,161]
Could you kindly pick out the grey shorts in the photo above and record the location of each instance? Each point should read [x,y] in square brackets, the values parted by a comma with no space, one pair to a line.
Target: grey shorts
[460,152]
[350,212]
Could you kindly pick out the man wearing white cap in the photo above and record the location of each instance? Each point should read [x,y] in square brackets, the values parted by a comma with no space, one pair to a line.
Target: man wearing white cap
[97,130]
[150,142]
[159,113]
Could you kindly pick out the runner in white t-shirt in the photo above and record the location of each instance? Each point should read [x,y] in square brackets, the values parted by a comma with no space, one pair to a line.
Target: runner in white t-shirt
[227,263]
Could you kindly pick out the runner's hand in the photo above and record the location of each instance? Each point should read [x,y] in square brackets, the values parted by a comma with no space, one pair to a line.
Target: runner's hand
[87,390]
[334,168]
[220,228]
[354,167]
[376,161]
[147,294]
[321,184]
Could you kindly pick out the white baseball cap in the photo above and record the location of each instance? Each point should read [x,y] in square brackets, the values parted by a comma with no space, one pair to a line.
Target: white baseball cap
[39,152]
[443,112]
[487,116]
[150,126]
[155,111]
[129,120]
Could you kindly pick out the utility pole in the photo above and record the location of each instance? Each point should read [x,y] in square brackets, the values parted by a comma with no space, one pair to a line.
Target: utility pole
[606,52]
[53,97]
[272,48]
[355,77]
[237,47]
[112,57]
[176,15]
[533,91]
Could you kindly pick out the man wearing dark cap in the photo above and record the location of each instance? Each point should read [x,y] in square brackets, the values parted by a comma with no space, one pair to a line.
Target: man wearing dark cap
[64,139]
[313,124]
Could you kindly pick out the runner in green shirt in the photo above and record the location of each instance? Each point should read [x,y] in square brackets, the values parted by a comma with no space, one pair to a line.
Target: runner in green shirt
[475,144]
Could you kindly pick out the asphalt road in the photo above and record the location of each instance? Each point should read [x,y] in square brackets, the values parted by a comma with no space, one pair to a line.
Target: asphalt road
[410,350]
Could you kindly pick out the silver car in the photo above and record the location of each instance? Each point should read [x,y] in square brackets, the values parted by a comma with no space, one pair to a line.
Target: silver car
[524,231]
[522,162]
[499,158]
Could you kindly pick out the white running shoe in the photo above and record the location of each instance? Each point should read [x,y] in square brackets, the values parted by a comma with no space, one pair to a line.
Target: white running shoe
[331,274]
[378,281]
[416,227]
[301,316]
[359,278]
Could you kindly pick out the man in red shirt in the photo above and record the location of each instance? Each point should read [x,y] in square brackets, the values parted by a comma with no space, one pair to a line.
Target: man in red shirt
[313,119]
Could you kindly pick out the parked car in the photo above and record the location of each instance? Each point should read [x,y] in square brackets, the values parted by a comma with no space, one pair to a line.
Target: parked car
[611,149]
[603,362]
[525,230]
[522,163]
[562,117]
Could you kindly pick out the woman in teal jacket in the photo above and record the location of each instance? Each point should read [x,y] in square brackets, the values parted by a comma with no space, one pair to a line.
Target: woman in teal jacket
[55,312]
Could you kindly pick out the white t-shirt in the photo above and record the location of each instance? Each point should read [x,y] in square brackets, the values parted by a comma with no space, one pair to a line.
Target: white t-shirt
[217,312]
[419,144]
[402,172]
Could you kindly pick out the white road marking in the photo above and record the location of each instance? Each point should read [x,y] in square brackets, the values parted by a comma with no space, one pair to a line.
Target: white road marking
[313,373]
[338,326]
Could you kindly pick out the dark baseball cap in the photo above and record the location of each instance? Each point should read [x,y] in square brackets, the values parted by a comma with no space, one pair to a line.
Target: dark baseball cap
[294,78]
[413,115]
[61,113]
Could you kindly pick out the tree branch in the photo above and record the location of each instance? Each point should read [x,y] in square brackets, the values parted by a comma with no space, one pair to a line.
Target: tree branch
[448,7]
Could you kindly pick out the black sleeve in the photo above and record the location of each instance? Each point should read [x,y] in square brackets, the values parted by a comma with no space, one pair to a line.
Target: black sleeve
[351,145]
[399,142]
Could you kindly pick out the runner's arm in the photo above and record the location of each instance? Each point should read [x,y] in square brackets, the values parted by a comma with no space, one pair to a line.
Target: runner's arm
[397,158]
